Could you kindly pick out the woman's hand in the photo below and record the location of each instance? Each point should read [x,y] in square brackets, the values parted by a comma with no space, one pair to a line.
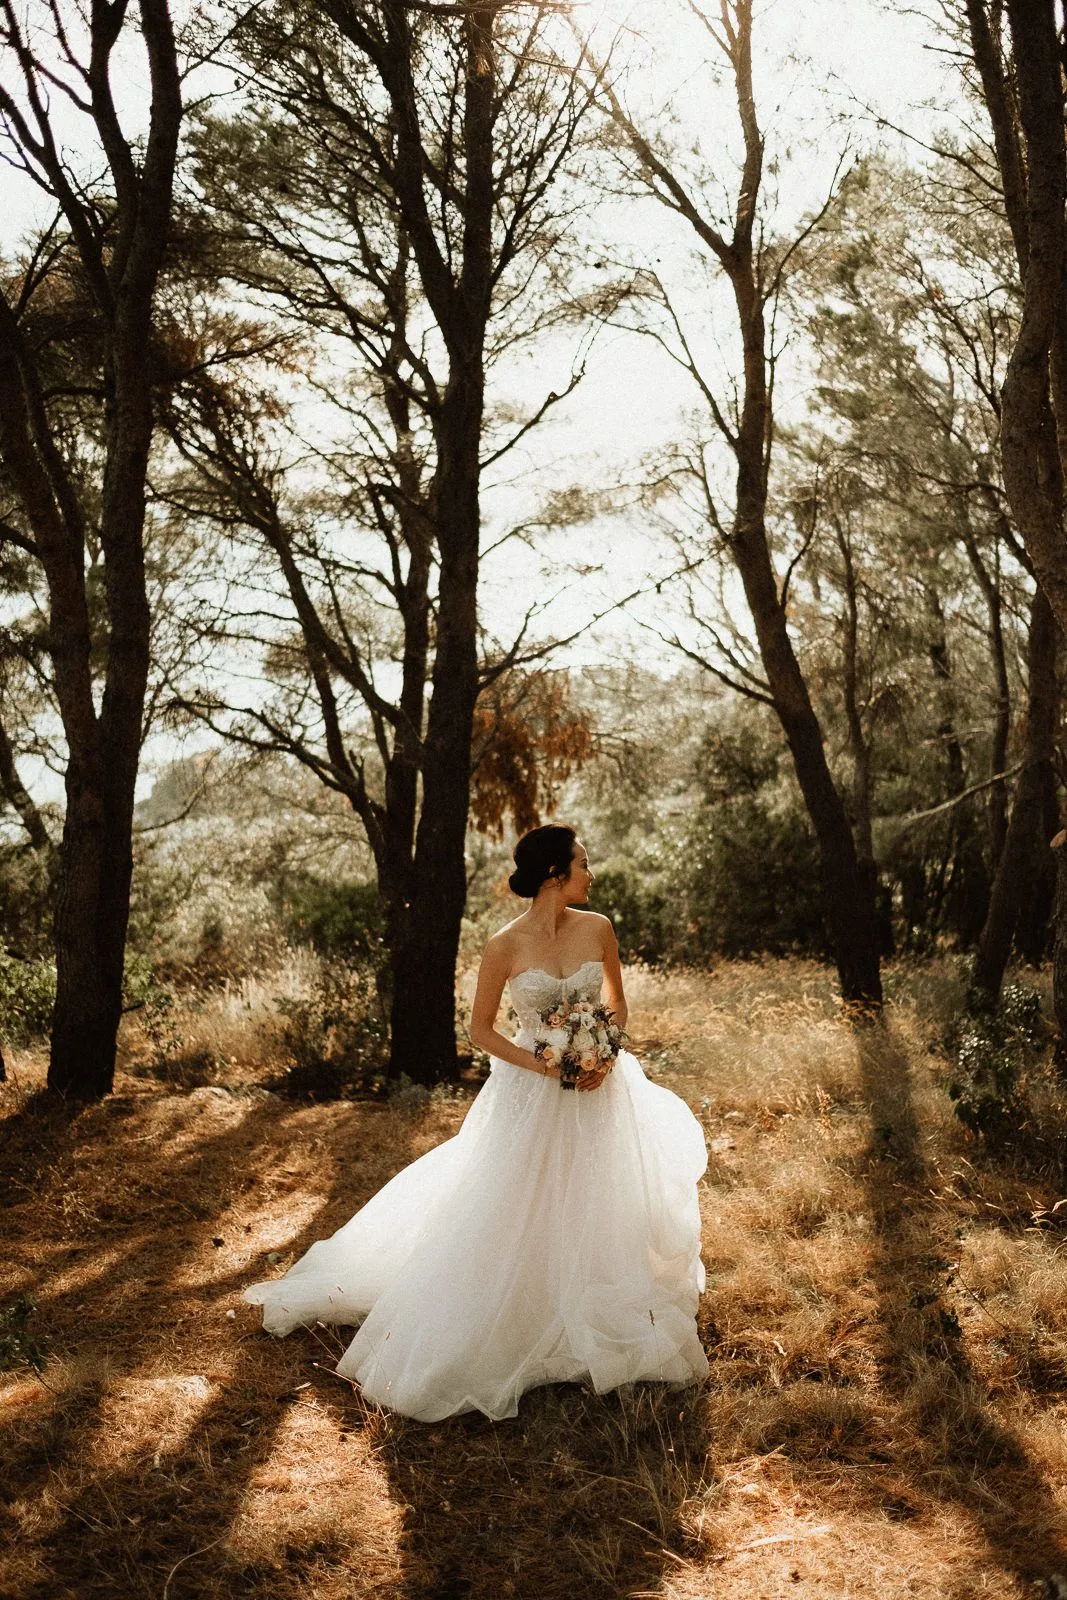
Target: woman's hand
[544,1068]
[593,1079]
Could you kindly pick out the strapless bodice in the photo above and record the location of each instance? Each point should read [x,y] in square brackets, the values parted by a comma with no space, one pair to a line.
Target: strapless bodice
[534,990]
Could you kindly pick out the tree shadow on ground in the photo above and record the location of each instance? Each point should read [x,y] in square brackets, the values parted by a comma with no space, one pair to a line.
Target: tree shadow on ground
[963,1451]
[580,1494]
[121,1514]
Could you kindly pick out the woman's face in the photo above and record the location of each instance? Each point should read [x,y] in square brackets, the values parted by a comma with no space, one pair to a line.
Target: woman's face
[579,879]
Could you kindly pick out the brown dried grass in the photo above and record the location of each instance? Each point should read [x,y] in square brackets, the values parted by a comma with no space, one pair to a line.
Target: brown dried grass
[887,1332]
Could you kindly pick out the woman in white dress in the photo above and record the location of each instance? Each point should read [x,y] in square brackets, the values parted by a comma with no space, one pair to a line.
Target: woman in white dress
[556,1238]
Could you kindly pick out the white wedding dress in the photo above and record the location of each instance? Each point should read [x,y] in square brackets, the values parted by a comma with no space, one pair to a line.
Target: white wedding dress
[555,1238]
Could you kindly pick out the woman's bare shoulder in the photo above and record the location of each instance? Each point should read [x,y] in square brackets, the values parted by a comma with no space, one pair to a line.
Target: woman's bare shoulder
[502,943]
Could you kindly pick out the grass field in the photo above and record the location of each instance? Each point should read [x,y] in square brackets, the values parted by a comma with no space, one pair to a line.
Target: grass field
[886,1319]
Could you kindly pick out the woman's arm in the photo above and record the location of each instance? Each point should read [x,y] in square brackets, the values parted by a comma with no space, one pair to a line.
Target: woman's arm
[492,976]
[613,990]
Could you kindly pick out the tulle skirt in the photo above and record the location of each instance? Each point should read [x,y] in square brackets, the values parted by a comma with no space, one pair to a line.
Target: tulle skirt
[555,1238]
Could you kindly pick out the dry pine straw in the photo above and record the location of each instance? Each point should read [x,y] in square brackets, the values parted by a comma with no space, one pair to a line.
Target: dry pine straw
[887,1332]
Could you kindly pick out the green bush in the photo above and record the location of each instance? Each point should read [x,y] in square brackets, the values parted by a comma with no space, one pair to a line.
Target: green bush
[335,1037]
[25,901]
[342,921]
[19,1347]
[27,995]
[992,1053]
[747,881]
[638,910]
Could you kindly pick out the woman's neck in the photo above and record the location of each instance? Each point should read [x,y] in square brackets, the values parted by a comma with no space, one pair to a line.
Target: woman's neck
[547,916]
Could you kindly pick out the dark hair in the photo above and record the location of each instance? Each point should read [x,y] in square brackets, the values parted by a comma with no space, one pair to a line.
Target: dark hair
[541,854]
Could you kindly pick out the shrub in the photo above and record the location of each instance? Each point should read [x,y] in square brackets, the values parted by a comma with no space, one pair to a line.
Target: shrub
[747,880]
[342,921]
[993,1051]
[19,1347]
[638,910]
[27,995]
[335,1037]
[26,900]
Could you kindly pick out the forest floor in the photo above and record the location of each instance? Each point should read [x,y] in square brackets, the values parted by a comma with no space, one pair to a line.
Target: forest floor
[886,1319]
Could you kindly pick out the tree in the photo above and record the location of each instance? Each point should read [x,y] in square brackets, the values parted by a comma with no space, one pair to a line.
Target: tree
[110,244]
[1025,101]
[528,740]
[386,198]
[917,302]
[753,264]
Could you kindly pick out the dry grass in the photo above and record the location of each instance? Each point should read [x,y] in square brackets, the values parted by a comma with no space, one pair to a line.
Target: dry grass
[887,1331]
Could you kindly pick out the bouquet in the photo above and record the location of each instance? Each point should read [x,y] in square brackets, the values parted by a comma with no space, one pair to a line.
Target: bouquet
[578,1037]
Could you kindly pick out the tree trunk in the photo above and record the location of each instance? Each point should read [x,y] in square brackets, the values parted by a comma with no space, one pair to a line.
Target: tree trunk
[969,879]
[989,583]
[121,270]
[848,893]
[1033,933]
[88,953]
[1023,858]
[848,887]
[1035,186]
[1059,950]
[439,873]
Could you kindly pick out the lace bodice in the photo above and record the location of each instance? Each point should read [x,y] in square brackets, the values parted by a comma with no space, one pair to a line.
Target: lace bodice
[534,990]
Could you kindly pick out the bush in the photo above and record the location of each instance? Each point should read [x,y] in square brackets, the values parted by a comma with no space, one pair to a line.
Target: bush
[198,912]
[747,881]
[342,921]
[26,901]
[638,911]
[335,1037]
[993,1052]
[27,995]
[19,1347]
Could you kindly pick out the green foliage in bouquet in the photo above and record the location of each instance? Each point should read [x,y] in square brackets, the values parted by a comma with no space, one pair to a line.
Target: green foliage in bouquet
[993,1051]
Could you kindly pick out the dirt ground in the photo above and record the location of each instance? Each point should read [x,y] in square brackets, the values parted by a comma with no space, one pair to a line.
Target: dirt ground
[886,1319]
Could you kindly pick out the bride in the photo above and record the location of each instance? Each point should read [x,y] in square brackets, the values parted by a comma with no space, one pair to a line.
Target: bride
[557,1237]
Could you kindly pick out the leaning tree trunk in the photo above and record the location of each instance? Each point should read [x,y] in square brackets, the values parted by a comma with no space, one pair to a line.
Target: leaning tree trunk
[849,887]
[1023,860]
[848,892]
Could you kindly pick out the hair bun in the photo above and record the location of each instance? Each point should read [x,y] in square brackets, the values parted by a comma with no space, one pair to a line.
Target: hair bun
[544,852]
